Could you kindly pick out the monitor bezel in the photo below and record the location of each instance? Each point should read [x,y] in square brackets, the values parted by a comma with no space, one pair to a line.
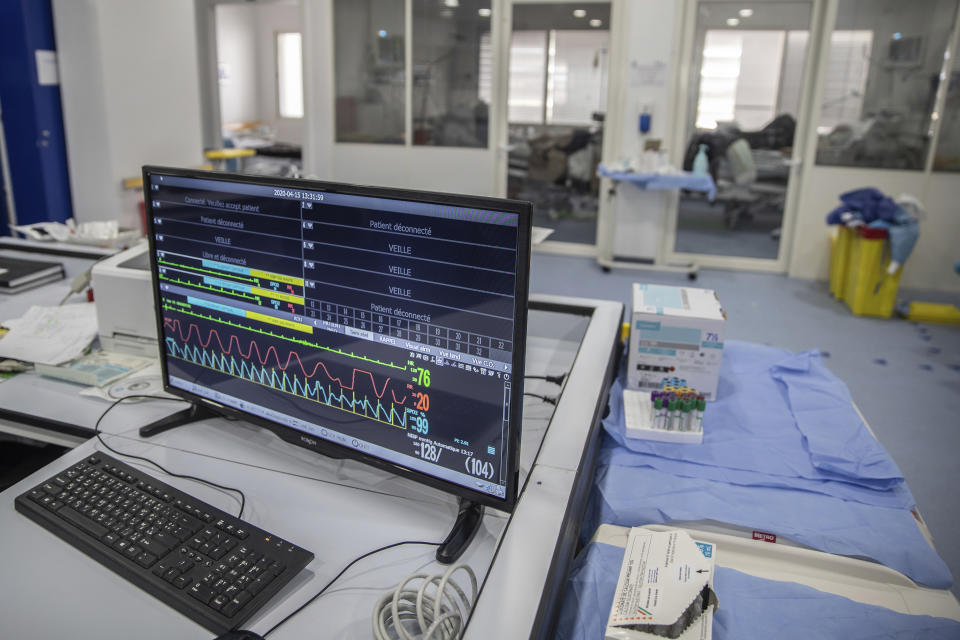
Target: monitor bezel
[331,449]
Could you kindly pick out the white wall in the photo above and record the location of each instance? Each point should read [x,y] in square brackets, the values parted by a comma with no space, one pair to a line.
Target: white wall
[931,264]
[237,53]
[318,88]
[130,90]
[640,216]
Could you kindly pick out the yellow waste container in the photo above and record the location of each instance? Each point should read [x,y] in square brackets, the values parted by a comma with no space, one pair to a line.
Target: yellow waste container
[840,240]
[868,289]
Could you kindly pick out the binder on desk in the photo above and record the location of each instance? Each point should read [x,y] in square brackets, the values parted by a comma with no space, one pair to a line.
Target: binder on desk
[18,275]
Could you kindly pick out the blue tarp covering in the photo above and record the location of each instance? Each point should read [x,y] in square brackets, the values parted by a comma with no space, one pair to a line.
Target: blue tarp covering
[749,607]
[685,180]
[632,496]
[783,452]
[780,419]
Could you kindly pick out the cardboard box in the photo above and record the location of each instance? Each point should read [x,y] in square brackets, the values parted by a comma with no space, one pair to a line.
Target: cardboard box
[675,332]
[665,588]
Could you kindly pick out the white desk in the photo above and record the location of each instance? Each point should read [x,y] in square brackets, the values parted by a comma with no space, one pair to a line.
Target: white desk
[31,406]
[337,509]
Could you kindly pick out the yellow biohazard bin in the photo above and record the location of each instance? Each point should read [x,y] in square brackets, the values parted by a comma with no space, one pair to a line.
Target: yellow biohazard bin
[868,289]
[840,240]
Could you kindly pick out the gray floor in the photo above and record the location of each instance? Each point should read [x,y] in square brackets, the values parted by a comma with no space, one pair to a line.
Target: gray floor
[701,229]
[904,377]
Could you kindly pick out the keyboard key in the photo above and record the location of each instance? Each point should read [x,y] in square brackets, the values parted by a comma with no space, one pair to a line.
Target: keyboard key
[82,522]
[218,602]
[243,597]
[161,568]
[146,560]
[166,539]
[258,585]
[153,546]
[201,592]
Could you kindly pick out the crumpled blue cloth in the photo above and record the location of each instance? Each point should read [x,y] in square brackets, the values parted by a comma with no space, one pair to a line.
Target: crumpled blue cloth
[634,496]
[685,180]
[781,420]
[612,453]
[749,607]
[871,207]
[835,437]
[866,205]
[902,235]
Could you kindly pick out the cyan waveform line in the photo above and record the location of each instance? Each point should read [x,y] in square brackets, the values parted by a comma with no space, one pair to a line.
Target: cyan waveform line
[172,325]
[287,383]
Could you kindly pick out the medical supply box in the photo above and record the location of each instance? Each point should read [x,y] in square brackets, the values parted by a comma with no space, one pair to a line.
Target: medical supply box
[675,332]
[665,588]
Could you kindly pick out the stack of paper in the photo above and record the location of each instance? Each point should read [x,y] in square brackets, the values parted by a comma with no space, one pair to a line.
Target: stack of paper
[50,335]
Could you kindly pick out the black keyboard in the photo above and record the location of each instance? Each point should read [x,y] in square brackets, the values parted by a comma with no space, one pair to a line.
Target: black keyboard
[207,564]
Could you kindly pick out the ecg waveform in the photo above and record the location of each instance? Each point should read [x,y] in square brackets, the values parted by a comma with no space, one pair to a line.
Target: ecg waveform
[273,373]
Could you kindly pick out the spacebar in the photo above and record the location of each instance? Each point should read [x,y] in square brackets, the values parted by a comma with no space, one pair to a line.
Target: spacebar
[88,525]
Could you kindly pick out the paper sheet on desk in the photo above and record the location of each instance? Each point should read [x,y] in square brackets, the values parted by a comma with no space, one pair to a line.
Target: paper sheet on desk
[50,335]
[539,234]
[147,382]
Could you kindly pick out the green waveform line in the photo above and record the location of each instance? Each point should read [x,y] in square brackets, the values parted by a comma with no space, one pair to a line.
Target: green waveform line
[216,273]
[230,292]
[286,383]
[275,335]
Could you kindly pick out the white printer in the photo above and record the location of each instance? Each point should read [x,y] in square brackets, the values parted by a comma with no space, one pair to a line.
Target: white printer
[123,294]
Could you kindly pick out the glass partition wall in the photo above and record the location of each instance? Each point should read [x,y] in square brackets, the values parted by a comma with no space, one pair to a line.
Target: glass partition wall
[885,61]
[881,108]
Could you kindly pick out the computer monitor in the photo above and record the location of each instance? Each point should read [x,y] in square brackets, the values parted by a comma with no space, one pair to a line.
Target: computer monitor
[378,324]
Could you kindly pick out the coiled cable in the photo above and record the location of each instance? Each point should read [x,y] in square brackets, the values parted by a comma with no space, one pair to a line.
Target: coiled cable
[439,615]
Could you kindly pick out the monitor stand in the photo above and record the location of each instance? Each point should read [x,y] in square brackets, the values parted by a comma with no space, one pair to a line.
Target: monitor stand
[195,412]
[464,529]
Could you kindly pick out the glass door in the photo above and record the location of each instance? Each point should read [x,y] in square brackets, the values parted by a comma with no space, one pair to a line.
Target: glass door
[557,99]
[414,86]
[748,77]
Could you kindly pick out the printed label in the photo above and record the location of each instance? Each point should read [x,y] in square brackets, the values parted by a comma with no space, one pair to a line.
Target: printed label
[764,536]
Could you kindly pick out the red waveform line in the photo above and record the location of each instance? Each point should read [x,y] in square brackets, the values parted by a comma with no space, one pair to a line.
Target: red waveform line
[174,325]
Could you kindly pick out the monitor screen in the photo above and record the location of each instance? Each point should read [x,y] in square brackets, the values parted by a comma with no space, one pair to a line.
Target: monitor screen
[378,324]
